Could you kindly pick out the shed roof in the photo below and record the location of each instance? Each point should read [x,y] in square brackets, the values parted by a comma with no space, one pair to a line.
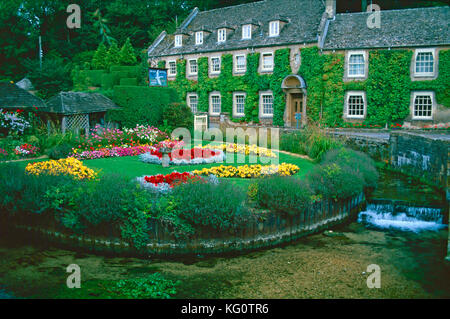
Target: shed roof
[399,28]
[13,97]
[69,103]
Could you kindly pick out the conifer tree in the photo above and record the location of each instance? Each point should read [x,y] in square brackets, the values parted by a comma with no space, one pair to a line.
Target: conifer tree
[99,60]
[113,55]
[127,55]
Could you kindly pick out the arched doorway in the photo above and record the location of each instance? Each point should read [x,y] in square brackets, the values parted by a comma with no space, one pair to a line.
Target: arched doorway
[295,113]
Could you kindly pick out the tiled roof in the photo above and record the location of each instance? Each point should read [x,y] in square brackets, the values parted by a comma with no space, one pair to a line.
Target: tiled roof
[399,28]
[304,18]
[13,97]
[79,103]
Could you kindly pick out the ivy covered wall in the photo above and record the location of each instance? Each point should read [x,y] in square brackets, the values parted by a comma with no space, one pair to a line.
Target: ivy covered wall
[387,87]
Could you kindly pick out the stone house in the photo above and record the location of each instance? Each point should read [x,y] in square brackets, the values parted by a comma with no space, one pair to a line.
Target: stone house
[284,62]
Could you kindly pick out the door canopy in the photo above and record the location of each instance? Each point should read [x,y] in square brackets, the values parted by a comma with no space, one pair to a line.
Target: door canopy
[293,82]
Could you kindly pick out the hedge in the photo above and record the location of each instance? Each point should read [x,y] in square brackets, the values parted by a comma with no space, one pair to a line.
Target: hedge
[93,77]
[141,105]
[129,81]
[107,81]
[132,71]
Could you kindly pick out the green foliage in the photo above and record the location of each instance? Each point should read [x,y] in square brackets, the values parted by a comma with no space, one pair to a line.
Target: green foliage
[177,115]
[53,78]
[207,207]
[141,105]
[356,160]
[99,60]
[311,141]
[154,286]
[60,151]
[333,181]
[252,82]
[129,81]
[283,195]
[343,173]
[107,81]
[112,57]
[126,54]
[94,77]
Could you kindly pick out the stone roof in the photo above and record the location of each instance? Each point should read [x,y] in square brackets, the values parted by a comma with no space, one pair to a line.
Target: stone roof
[14,97]
[303,16]
[69,103]
[399,28]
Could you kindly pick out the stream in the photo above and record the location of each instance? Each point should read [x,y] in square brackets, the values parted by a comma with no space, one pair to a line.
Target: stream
[403,230]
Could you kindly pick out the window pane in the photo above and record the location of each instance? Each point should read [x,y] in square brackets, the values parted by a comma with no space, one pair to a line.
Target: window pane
[356,64]
[172,68]
[423,106]
[240,63]
[193,103]
[267,101]
[355,106]
[193,66]
[424,62]
[267,61]
[215,101]
[240,104]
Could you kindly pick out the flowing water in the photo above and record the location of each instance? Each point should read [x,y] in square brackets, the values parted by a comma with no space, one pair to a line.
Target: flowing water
[403,230]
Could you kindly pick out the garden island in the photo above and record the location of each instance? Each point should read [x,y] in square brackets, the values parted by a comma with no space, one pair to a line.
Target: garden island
[253,136]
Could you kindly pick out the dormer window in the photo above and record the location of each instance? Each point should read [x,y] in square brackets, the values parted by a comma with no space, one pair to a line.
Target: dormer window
[274,28]
[246,32]
[222,35]
[178,40]
[198,37]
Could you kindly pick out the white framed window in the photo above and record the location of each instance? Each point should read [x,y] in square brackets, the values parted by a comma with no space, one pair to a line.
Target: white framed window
[192,101]
[356,62]
[274,28]
[266,104]
[355,104]
[424,62]
[198,37]
[246,32]
[267,61]
[172,68]
[423,105]
[215,65]
[215,104]
[193,67]
[240,63]
[178,40]
[239,104]
[222,35]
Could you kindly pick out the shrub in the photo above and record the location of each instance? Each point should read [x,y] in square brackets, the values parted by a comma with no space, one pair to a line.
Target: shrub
[60,151]
[358,161]
[154,286]
[335,182]
[141,105]
[178,115]
[107,81]
[285,195]
[94,76]
[209,207]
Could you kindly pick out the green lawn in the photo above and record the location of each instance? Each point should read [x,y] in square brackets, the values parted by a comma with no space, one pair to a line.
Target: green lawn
[131,167]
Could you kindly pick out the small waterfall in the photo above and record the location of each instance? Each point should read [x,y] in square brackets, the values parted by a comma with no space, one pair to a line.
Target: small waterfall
[402,217]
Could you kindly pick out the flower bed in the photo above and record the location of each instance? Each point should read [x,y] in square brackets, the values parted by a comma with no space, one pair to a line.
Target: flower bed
[249,171]
[68,166]
[112,152]
[163,183]
[244,149]
[26,150]
[193,156]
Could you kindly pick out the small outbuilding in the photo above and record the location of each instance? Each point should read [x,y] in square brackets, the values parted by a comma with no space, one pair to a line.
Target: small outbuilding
[13,97]
[75,111]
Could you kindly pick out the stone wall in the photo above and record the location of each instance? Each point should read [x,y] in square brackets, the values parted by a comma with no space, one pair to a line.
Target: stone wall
[424,155]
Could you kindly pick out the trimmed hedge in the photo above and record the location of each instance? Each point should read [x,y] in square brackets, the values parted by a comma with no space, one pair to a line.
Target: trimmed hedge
[133,71]
[129,81]
[93,77]
[107,81]
[141,105]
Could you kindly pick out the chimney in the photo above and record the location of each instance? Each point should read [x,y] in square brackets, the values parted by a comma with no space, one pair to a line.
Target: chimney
[330,8]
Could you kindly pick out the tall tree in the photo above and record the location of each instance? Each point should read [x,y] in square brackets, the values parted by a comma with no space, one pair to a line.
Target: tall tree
[127,55]
[99,60]
[113,55]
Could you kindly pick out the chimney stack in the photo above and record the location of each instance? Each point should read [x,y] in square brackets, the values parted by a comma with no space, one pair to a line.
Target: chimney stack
[330,8]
